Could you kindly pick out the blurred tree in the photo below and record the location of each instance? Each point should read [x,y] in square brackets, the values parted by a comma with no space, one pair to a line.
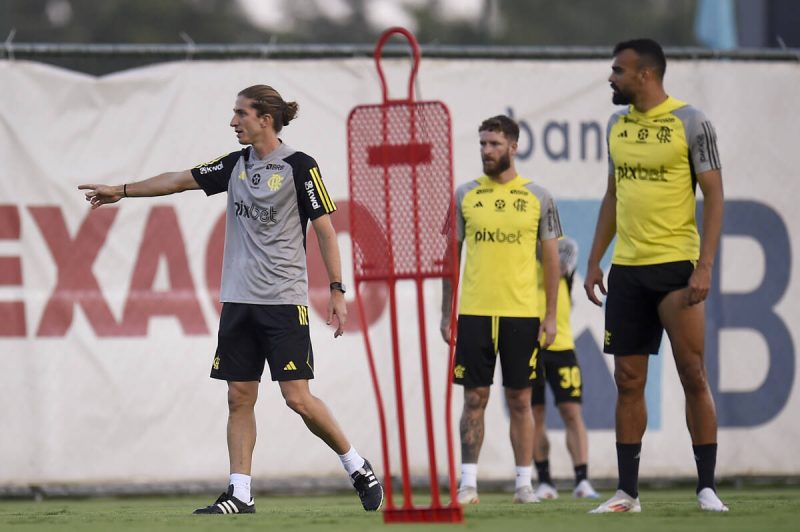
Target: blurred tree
[312,24]
[506,22]
[123,21]
[500,22]
[592,23]
[126,21]
[433,27]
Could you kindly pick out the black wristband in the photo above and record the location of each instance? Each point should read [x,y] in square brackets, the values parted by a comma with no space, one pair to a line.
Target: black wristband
[338,286]
[125,190]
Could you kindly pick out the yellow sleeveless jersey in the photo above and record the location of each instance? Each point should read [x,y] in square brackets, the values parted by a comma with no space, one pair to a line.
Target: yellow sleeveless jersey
[568,257]
[655,158]
[500,224]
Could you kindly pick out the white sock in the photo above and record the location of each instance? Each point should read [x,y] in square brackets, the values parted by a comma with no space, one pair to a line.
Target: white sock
[241,486]
[351,461]
[469,475]
[524,474]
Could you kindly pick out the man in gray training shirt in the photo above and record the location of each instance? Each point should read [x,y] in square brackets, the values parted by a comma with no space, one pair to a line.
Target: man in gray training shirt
[273,191]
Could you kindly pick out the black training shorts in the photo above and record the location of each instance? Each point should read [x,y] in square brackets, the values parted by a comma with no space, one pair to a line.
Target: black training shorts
[249,335]
[634,293]
[561,371]
[481,339]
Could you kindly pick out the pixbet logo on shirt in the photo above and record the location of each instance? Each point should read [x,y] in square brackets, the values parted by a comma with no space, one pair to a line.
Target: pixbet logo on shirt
[641,173]
[498,236]
[267,215]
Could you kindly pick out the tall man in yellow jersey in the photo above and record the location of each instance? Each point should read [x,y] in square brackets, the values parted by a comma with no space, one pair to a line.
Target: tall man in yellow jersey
[660,148]
[558,366]
[501,216]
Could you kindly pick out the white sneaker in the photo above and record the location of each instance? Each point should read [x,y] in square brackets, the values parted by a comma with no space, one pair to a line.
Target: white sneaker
[709,502]
[468,495]
[546,491]
[584,490]
[525,495]
[620,502]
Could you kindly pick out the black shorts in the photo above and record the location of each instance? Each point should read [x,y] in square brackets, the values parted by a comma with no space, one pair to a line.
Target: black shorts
[482,338]
[634,293]
[561,371]
[249,335]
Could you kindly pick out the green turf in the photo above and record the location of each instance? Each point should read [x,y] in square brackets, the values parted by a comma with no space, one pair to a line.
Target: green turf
[770,509]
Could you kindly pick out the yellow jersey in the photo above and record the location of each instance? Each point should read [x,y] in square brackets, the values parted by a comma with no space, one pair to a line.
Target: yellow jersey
[500,225]
[655,158]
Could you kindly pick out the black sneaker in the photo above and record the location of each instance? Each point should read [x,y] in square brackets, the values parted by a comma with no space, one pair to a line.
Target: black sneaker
[228,504]
[368,487]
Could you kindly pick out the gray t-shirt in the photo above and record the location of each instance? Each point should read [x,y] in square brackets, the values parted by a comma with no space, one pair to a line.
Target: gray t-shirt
[269,204]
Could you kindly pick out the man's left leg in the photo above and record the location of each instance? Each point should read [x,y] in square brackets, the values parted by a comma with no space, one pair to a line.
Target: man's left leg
[685,326]
[320,422]
[521,432]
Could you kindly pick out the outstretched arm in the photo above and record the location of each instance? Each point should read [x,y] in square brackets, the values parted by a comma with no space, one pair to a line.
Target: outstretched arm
[329,249]
[603,234]
[160,185]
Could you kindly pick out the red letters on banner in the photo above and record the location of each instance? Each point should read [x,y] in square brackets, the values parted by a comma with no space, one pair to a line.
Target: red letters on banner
[13,312]
[76,283]
[162,241]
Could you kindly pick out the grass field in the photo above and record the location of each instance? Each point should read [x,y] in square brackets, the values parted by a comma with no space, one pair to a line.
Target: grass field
[772,509]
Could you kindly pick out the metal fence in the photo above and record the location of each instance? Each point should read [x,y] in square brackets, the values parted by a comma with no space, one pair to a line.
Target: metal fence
[106,58]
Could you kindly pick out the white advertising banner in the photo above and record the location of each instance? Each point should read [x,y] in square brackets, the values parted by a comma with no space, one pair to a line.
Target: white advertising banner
[108,318]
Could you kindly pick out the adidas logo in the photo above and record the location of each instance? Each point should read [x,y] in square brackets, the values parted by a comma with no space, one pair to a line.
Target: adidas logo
[623,135]
[229,507]
[290,366]
[477,205]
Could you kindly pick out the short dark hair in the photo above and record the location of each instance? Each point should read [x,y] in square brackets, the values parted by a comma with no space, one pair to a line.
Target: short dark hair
[501,124]
[649,51]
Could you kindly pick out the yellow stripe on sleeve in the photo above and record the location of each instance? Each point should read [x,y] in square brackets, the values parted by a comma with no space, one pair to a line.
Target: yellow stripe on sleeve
[323,192]
[212,161]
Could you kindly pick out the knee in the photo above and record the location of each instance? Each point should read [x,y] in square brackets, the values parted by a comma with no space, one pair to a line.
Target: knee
[693,377]
[241,397]
[298,403]
[475,400]
[630,384]
[519,402]
[570,414]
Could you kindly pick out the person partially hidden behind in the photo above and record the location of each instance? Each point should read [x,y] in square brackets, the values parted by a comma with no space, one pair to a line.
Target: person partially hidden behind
[557,366]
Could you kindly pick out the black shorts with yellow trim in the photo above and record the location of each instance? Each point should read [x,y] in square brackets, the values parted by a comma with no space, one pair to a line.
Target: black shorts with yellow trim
[633,326]
[482,339]
[250,335]
[560,370]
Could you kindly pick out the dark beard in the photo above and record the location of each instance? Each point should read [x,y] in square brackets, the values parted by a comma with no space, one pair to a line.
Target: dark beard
[619,98]
[503,164]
